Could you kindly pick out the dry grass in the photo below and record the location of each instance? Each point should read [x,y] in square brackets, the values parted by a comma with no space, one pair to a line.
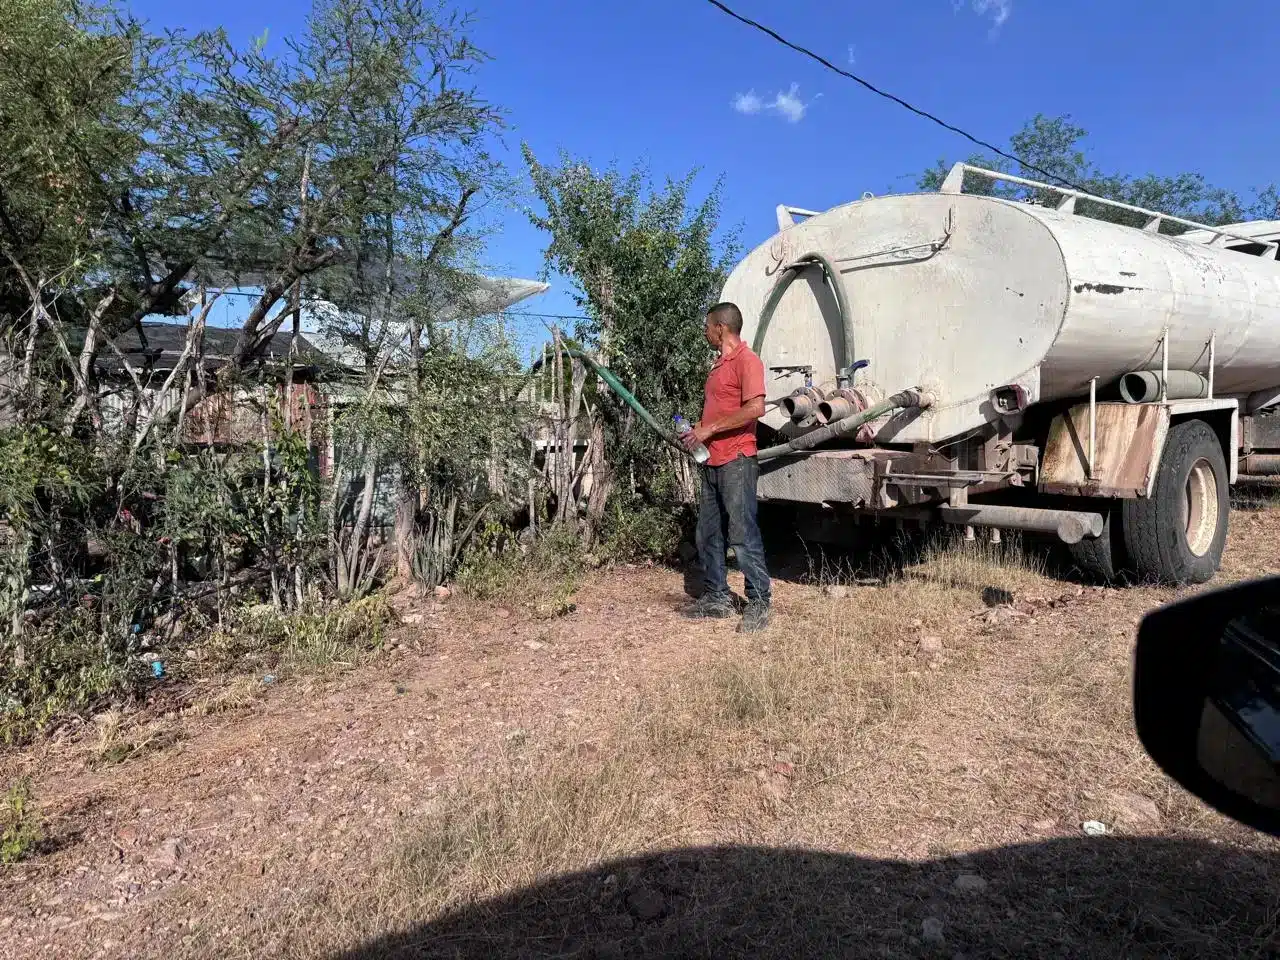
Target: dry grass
[815,790]
[118,740]
[237,693]
[1256,495]
[820,733]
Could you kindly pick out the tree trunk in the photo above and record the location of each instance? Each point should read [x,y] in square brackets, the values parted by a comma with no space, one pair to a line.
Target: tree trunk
[406,529]
[602,483]
[361,525]
[84,375]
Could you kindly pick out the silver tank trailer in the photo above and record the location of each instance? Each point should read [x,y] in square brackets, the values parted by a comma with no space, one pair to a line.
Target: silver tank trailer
[960,294]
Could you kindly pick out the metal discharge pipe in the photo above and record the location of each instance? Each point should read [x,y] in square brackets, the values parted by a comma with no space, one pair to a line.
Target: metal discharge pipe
[801,403]
[1260,465]
[835,409]
[907,398]
[845,403]
[1144,386]
[1069,525]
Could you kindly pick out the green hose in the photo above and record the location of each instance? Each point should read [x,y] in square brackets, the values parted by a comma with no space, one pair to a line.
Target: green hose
[609,377]
[846,352]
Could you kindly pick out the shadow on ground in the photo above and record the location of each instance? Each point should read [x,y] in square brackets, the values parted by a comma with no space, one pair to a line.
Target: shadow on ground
[874,555]
[1088,898]
[1253,495]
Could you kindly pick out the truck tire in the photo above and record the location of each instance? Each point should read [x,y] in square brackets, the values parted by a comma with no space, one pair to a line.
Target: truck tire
[1177,534]
[1103,559]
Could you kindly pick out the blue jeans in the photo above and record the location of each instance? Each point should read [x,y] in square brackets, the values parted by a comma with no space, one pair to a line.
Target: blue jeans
[728,507]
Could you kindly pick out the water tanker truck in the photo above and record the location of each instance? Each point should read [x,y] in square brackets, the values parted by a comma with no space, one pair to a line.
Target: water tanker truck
[1000,364]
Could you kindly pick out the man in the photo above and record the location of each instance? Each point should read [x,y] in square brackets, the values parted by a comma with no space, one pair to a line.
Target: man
[734,402]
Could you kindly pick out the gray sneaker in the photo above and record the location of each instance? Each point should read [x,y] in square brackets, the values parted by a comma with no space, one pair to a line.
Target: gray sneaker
[755,618]
[710,607]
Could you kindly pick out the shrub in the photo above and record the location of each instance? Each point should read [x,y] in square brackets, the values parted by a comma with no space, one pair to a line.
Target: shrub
[550,569]
[20,830]
[65,667]
[636,530]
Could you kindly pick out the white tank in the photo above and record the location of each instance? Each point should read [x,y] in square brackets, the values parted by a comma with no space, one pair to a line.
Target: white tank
[962,293]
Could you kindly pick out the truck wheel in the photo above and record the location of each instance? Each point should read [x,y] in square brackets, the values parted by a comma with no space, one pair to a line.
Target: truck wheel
[1177,534]
[1103,559]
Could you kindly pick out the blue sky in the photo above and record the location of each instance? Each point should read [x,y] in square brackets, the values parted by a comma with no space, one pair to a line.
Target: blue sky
[1161,87]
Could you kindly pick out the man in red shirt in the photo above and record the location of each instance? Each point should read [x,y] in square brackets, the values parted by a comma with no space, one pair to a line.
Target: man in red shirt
[734,402]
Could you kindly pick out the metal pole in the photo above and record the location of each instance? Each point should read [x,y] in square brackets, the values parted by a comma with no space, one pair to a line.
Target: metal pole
[1093,426]
[1213,341]
[1164,366]
[1070,526]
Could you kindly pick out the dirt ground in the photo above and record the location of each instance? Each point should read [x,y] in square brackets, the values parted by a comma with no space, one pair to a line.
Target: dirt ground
[894,769]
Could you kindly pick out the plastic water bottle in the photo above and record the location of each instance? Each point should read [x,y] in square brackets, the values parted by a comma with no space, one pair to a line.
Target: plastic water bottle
[700,453]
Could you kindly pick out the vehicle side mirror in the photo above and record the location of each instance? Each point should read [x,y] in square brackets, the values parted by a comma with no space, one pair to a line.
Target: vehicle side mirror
[1206,698]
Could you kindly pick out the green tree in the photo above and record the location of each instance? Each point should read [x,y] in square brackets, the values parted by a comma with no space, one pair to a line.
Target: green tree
[141,173]
[646,262]
[137,167]
[1057,145]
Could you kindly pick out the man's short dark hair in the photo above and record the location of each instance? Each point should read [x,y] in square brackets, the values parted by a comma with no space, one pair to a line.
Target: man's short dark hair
[727,315]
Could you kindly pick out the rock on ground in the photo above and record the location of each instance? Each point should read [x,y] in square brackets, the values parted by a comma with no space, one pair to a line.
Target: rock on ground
[1132,810]
[931,931]
[969,883]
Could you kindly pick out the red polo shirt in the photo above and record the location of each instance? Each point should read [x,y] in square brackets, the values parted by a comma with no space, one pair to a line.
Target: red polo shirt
[736,378]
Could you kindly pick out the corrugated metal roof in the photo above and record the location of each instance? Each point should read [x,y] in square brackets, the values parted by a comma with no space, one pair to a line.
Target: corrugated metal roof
[164,343]
[482,295]
[489,295]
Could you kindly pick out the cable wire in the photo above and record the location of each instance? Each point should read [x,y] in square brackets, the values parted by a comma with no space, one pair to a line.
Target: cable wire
[889,96]
[509,313]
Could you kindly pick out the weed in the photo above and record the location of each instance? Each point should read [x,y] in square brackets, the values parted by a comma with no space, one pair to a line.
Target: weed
[238,694]
[546,578]
[20,829]
[639,531]
[316,635]
[1256,495]
[488,576]
[64,668]
[558,553]
[977,564]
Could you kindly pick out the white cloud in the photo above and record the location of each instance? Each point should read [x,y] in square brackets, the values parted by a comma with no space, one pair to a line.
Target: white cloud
[748,103]
[997,10]
[853,59]
[786,103]
[789,104]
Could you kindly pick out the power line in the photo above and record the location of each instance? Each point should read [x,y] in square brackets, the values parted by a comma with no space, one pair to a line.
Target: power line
[509,313]
[889,96]
[544,316]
